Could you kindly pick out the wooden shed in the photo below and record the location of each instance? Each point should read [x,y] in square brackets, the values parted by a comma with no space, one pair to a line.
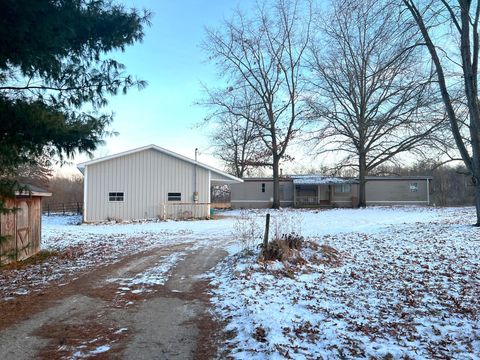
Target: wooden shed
[22,228]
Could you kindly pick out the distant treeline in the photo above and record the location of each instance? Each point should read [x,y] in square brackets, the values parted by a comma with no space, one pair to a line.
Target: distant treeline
[65,190]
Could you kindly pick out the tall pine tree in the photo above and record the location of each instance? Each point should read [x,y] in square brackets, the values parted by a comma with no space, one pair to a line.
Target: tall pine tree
[53,67]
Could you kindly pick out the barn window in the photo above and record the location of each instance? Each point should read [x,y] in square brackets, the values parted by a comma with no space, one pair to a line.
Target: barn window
[263,187]
[343,188]
[174,196]
[413,187]
[116,196]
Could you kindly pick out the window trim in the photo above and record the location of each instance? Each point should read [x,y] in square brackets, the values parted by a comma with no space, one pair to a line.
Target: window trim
[116,196]
[174,196]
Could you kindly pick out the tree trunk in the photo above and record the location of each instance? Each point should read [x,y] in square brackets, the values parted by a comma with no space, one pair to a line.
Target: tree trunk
[477,203]
[362,170]
[276,183]
[476,168]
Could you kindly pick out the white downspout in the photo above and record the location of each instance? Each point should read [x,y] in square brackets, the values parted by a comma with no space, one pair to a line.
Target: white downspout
[85,194]
[209,199]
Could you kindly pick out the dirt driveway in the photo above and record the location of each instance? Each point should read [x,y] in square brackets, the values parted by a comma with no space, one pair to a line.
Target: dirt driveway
[95,316]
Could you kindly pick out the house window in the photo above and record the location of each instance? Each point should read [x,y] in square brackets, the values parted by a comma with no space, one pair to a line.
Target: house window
[413,187]
[343,188]
[116,196]
[174,196]
[263,187]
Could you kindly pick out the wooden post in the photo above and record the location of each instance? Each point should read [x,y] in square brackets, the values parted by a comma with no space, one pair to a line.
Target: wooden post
[48,209]
[267,230]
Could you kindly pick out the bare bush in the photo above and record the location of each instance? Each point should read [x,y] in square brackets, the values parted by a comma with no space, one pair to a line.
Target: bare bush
[286,222]
[247,229]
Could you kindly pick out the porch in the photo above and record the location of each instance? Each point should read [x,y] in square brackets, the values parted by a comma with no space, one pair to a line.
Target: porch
[313,196]
[320,191]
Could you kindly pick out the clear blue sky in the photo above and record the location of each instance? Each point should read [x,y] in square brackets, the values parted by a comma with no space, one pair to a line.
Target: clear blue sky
[171,60]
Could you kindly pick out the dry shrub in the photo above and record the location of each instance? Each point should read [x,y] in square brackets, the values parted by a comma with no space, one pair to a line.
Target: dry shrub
[285,248]
[276,250]
[293,241]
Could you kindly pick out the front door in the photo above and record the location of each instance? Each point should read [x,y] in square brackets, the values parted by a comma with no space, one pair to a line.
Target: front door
[324,191]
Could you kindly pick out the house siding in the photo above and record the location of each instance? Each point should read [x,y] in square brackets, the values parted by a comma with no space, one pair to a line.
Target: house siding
[379,191]
[346,199]
[249,194]
[145,177]
[395,192]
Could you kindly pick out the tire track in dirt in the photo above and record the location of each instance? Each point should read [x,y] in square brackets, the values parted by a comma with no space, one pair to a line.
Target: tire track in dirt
[88,317]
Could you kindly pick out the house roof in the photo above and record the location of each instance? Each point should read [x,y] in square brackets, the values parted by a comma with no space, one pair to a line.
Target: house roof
[332,180]
[415,177]
[321,180]
[82,166]
[32,190]
[260,179]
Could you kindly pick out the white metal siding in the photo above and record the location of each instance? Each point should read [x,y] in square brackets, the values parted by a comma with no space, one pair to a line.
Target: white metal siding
[146,178]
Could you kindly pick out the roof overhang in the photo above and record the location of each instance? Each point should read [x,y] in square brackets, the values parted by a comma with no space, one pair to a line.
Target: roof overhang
[322,180]
[33,193]
[393,178]
[31,190]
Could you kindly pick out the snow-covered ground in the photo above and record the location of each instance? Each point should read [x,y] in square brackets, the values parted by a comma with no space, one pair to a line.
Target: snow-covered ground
[81,247]
[407,283]
[407,286]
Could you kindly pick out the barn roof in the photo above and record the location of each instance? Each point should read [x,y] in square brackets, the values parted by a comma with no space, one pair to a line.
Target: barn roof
[221,175]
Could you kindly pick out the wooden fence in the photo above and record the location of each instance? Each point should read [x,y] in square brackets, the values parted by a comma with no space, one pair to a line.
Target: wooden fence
[63,208]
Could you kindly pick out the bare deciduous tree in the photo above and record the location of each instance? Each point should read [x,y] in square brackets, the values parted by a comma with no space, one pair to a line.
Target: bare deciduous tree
[262,55]
[65,190]
[235,137]
[372,94]
[37,172]
[462,29]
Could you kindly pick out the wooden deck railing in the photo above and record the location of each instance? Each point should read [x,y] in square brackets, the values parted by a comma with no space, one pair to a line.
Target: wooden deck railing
[306,200]
[183,211]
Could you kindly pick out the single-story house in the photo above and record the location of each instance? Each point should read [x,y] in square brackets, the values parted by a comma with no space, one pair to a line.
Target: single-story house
[22,228]
[258,193]
[318,191]
[148,182]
